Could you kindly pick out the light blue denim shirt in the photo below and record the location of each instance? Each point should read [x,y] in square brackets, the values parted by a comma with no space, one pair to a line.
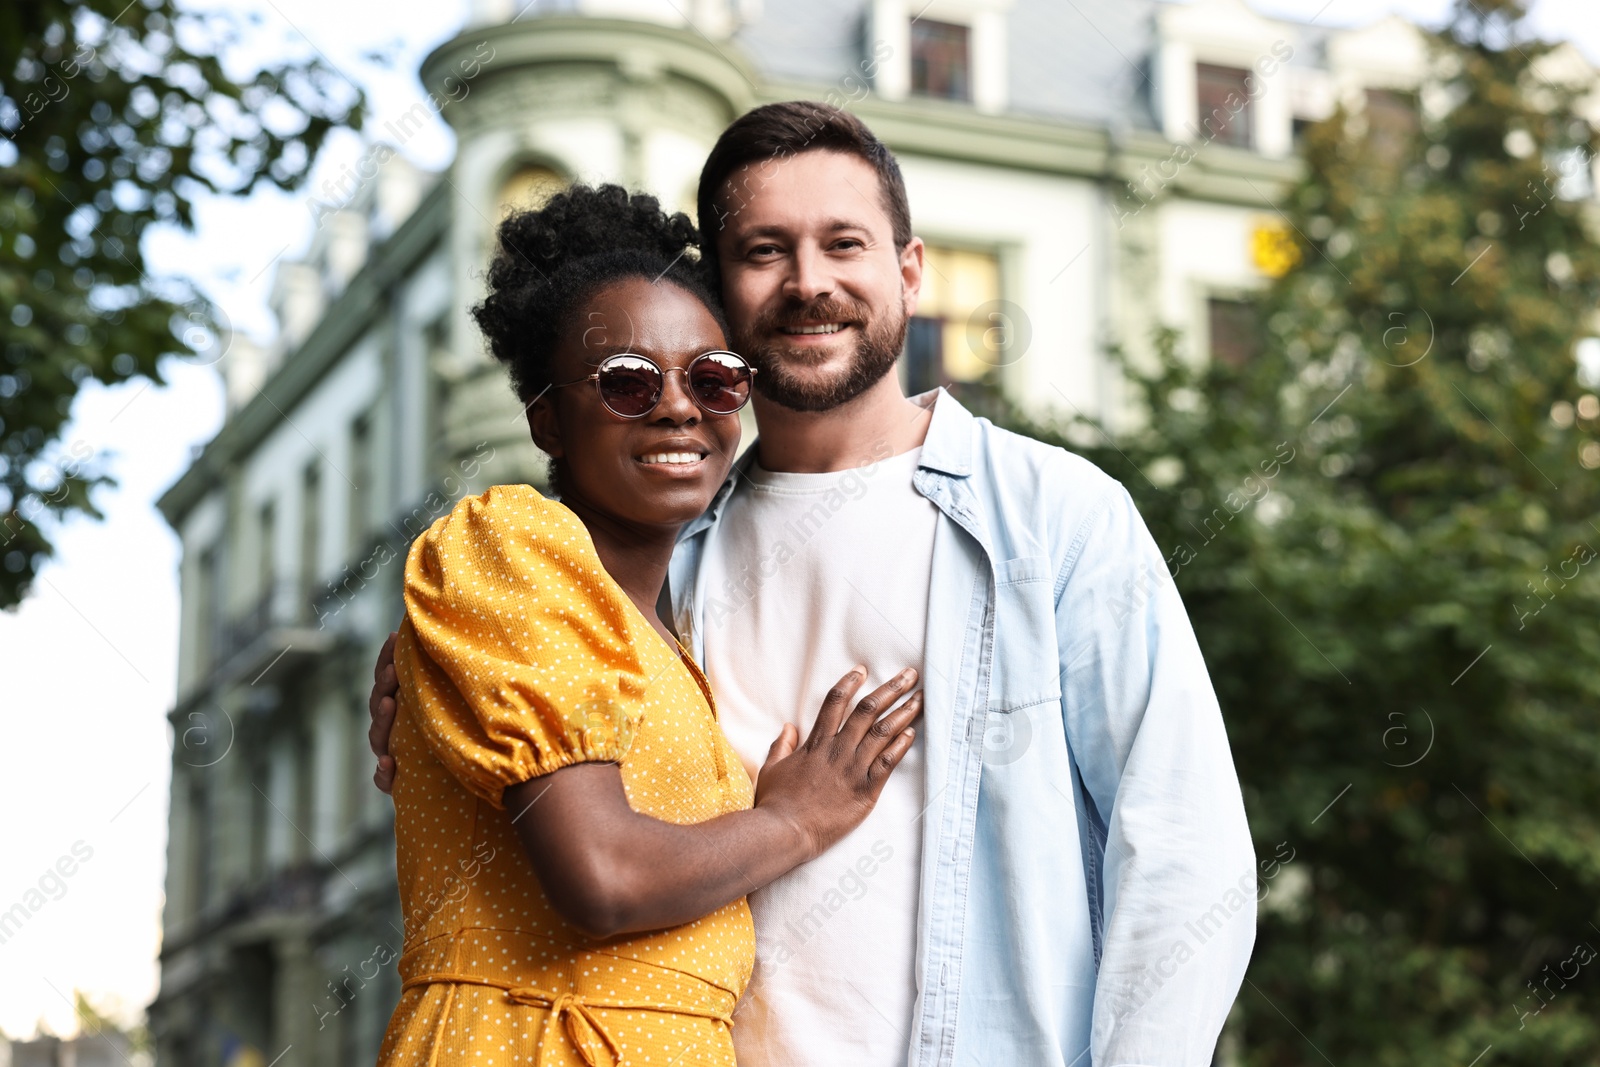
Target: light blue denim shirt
[1088,883]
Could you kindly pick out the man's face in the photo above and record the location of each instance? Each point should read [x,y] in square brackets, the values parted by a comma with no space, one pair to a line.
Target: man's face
[816,294]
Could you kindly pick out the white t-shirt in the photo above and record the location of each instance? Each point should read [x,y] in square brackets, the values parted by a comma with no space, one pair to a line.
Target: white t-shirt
[806,576]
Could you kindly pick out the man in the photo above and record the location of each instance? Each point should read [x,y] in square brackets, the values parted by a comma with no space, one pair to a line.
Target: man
[1081,891]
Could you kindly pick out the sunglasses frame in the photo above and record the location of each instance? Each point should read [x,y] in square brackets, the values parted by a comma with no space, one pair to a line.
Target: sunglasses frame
[663,371]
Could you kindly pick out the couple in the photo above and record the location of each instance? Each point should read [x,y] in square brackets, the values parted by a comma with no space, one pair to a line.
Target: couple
[585,690]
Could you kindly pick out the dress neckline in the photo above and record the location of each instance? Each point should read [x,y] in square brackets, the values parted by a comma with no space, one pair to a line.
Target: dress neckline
[684,656]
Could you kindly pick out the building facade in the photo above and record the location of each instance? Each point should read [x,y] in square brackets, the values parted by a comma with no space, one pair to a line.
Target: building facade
[103,1049]
[1081,173]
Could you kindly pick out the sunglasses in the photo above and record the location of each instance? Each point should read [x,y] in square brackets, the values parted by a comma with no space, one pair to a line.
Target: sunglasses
[631,386]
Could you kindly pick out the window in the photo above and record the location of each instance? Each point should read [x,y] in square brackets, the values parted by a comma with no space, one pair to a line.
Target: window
[304,793]
[310,528]
[529,187]
[940,60]
[253,982]
[924,354]
[267,531]
[358,773]
[202,872]
[955,335]
[208,597]
[445,375]
[258,817]
[1235,331]
[1392,123]
[1225,108]
[361,484]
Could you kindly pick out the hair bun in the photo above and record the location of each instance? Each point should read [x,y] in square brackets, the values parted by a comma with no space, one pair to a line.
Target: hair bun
[585,220]
[548,261]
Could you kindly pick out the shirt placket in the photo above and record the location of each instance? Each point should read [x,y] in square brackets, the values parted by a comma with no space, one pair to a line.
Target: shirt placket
[933,1042]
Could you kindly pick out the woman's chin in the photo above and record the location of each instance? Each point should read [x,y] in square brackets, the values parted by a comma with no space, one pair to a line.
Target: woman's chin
[651,494]
[671,500]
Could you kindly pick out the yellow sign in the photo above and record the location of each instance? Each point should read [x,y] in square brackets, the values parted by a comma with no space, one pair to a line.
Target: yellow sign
[1273,248]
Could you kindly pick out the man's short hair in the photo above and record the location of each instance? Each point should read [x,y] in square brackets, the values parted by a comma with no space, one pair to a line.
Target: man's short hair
[776,132]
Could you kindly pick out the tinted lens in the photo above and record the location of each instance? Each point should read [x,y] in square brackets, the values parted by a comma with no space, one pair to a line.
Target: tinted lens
[629,385]
[720,382]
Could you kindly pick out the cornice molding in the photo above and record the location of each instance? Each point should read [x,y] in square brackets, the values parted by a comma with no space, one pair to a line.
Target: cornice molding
[957,132]
[640,51]
[341,325]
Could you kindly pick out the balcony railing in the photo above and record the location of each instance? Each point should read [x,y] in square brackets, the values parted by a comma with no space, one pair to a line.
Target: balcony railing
[274,607]
[278,623]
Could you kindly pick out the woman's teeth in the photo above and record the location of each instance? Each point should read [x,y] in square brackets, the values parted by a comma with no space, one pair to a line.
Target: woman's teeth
[832,327]
[672,457]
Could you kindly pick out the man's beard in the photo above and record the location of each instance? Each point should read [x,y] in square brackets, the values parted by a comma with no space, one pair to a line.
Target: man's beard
[881,340]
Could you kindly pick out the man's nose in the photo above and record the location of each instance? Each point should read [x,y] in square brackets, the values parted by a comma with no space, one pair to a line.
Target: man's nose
[809,278]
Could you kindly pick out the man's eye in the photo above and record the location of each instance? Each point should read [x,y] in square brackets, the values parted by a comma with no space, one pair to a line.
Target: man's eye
[848,244]
[764,250]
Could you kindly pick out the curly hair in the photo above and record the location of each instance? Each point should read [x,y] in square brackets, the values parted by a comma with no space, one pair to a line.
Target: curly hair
[550,261]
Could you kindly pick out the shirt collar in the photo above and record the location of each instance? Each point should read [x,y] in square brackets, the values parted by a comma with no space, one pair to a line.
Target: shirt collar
[947,449]
[708,517]
[948,446]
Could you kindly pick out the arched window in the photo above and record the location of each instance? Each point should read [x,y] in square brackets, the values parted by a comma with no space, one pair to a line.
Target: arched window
[529,187]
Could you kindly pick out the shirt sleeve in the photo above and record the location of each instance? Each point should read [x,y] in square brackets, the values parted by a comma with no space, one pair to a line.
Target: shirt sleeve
[517,655]
[1178,882]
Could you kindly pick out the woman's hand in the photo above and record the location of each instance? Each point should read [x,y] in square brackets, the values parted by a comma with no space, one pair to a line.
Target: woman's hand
[609,870]
[381,704]
[825,787]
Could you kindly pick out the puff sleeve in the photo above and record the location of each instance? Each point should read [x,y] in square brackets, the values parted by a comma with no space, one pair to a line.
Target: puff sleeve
[518,653]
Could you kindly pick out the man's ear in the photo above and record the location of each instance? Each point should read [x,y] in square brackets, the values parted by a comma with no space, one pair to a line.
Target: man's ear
[544,426]
[911,264]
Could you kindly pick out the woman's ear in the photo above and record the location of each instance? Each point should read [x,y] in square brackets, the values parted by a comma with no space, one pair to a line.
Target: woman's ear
[544,426]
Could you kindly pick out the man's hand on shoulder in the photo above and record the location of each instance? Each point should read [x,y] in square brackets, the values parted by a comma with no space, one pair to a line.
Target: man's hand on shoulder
[381,706]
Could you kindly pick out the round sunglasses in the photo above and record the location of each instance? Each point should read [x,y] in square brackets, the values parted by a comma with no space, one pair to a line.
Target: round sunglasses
[631,386]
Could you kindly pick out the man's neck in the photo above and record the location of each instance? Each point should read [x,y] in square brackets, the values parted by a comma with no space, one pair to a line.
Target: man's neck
[881,422]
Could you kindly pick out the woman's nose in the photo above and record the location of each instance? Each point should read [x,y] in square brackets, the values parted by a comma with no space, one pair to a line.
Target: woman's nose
[677,403]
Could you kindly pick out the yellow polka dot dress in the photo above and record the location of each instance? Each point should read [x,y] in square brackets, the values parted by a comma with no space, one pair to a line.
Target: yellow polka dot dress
[520,655]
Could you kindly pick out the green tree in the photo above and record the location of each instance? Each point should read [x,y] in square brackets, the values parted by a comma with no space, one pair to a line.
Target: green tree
[94,1023]
[115,117]
[1387,533]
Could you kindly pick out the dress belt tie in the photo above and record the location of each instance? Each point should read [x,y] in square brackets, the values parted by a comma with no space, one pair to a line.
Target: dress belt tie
[585,1032]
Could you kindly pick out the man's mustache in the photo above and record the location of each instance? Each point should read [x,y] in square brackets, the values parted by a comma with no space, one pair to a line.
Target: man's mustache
[828,309]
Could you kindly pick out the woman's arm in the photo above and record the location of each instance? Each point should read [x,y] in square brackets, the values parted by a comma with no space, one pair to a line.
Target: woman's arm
[610,870]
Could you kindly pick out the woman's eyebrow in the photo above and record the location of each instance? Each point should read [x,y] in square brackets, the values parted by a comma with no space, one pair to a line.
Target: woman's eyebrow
[687,353]
[593,357]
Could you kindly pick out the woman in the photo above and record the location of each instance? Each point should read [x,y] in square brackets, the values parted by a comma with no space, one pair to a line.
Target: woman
[575,835]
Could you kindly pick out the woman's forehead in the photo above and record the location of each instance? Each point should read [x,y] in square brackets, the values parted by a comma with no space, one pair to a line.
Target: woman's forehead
[658,319]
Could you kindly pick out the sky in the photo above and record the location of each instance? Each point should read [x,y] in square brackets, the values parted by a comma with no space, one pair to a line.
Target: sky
[90,658]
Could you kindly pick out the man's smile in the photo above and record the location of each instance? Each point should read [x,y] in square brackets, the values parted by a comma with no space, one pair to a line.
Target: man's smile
[808,330]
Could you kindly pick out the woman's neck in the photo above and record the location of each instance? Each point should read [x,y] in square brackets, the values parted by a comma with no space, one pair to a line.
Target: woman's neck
[635,555]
